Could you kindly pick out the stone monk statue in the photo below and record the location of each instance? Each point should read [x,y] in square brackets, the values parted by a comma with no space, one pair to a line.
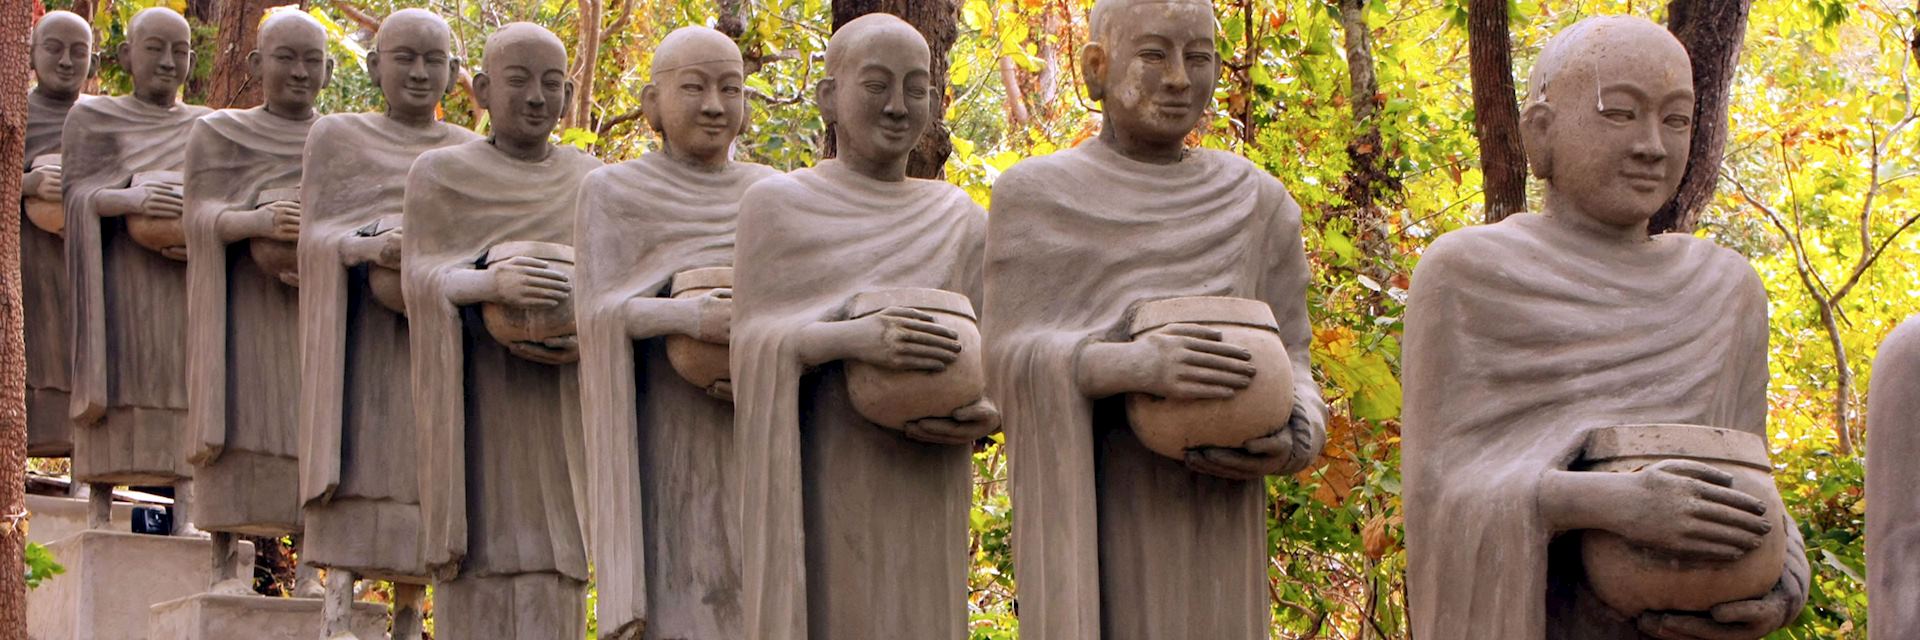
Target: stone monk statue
[62,61]
[850,529]
[1113,540]
[502,483]
[358,449]
[1893,510]
[129,303]
[244,322]
[660,450]
[1524,336]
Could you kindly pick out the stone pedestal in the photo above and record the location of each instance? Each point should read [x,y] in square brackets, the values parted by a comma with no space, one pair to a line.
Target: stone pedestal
[112,581]
[56,518]
[218,617]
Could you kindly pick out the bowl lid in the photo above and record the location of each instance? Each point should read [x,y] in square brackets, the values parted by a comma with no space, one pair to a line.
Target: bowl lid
[1202,310]
[871,302]
[553,251]
[287,194]
[45,160]
[164,177]
[703,278]
[1687,441]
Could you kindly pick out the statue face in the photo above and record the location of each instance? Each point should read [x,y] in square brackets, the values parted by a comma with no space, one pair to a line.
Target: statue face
[413,63]
[292,65]
[1156,69]
[524,88]
[62,55]
[158,54]
[881,102]
[1619,155]
[700,107]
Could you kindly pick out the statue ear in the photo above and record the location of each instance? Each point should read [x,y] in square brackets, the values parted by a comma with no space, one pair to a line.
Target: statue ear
[326,77]
[823,97]
[568,102]
[1093,67]
[120,56]
[453,74]
[253,63]
[373,66]
[650,109]
[93,64]
[1535,124]
[481,83]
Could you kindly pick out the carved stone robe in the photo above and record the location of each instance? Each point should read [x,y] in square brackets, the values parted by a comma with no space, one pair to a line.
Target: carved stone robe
[243,329]
[665,513]
[1893,505]
[359,455]
[44,292]
[1521,337]
[502,480]
[851,530]
[129,304]
[1113,541]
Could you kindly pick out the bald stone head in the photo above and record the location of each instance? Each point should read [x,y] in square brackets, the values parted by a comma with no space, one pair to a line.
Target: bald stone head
[1153,65]
[291,63]
[158,54]
[696,98]
[523,83]
[413,61]
[878,93]
[62,55]
[1609,119]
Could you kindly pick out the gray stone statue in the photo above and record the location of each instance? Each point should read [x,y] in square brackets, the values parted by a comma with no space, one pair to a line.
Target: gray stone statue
[243,320]
[850,528]
[358,452]
[1893,507]
[1120,537]
[660,448]
[1544,354]
[502,483]
[120,182]
[62,61]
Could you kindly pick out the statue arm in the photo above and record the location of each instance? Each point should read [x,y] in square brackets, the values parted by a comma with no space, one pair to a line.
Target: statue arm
[469,286]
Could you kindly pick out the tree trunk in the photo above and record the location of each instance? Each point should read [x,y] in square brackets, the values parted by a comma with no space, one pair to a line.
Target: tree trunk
[938,22]
[16,27]
[231,85]
[1366,177]
[1712,31]
[1496,113]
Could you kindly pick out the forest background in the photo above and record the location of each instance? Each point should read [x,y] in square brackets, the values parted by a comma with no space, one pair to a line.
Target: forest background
[1392,122]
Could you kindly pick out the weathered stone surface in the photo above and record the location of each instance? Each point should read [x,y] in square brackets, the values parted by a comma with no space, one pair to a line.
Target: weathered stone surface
[220,617]
[113,578]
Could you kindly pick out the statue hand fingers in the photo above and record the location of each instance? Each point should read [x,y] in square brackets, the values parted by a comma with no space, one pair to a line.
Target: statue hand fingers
[1187,330]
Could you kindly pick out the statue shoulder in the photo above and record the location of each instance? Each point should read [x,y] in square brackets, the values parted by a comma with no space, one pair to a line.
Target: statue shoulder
[1468,252]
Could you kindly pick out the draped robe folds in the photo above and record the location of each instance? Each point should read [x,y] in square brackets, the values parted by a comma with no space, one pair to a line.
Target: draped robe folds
[1521,338]
[1113,541]
[129,304]
[502,476]
[660,451]
[44,290]
[1893,507]
[850,530]
[243,325]
[358,449]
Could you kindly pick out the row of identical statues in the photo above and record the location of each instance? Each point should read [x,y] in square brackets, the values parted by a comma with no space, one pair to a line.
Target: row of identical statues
[748,398]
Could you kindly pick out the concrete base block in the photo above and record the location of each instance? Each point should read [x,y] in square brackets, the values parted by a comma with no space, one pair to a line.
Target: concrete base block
[218,617]
[56,518]
[112,581]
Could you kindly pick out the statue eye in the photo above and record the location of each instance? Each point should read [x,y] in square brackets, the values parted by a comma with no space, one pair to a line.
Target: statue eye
[1153,55]
[1679,121]
[691,88]
[1199,58]
[730,91]
[876,87]
[1617,115]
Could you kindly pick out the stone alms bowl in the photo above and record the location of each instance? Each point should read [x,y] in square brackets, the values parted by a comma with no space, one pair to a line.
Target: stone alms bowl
[1171,427]
[892,398]
[1633,579]
[509,325]
[383,281]
[701,363]
[278,258]
[48,215]
[166,236]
